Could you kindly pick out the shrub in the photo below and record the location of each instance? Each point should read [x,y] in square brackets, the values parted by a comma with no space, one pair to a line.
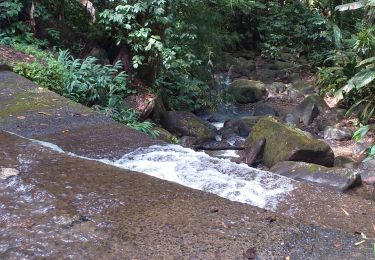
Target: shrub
[50,74]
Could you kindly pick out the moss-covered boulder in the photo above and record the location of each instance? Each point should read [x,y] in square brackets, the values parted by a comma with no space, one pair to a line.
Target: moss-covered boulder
[285,143]
[166,136]
[247,91]
[184,123]
[336,178]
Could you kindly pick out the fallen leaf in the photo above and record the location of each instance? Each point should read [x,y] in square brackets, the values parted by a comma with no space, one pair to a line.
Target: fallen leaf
[359,243]
[55,99]
[64,131]
[43,124]
[21,117]
[287,258]
[346,213]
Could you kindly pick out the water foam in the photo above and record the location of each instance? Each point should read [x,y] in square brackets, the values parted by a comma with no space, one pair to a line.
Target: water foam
[197,170]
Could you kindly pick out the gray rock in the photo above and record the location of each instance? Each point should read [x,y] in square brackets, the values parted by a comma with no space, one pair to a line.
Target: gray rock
[294,95]
[276,87]
[251,154]
[337,133]
[337,178]
[304,87]
[100,54]
[4,66]
[310,108]
[238,126]
[368,167]
[285,143]
[247,91]
[264,110]
[290,119]
[308,115]
[330,118]
[183,123]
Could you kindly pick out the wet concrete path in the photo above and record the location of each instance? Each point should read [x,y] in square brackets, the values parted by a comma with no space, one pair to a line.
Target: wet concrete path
[65,206]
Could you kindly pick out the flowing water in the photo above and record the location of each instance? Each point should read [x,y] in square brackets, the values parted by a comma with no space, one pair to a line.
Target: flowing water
[198,170]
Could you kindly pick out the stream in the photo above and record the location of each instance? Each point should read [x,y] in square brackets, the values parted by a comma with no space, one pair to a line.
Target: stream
[198,170]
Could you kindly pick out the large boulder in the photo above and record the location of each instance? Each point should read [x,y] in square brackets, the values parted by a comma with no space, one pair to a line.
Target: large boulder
[285,143]
[184,123]
[336,178]
[100,54]
[247,91]
[310,108]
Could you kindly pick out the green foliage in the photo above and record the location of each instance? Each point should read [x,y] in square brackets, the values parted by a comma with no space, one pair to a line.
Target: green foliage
[49,74]
[293,27]
[88,82]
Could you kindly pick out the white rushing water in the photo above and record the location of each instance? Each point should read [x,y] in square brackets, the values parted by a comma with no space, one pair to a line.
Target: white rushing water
[197,170]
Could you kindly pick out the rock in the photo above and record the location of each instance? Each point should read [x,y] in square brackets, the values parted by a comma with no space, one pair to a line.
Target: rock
[238,126]
[337,133]
[285,143]
[243,125]
[159,108]
[264,110]
[368,167]
[304,87]
[369,180]
[310,108]
[183,123]
[142,103]
[100,54]
[166,136]
[251,154]
[293,94]
[247,91]
[4,66]
[330,118]
[336,178]
[308,115]
[290,119]
[345,162]
[188,141]
[5,173]
[276,87]
[282,65]
[227,132]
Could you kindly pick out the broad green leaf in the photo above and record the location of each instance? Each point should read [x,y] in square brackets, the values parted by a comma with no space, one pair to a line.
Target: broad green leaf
[366,61]
[362,78]
[350,6]
[361,132]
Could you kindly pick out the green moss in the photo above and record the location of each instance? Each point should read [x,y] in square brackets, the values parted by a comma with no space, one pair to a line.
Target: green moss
[21,103]
[247,91]
[282,141]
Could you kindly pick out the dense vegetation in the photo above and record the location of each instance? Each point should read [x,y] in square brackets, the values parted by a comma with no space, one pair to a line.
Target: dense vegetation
[173,47]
